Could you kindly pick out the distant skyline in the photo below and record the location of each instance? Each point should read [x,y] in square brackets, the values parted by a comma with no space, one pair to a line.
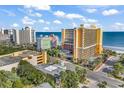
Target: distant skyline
[54,18]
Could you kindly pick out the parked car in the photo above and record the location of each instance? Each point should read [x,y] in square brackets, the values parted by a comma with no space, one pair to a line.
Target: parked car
[108,69]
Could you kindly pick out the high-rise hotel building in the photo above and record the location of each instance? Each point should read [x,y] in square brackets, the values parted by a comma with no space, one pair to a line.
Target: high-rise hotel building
[24,36]
[82,42]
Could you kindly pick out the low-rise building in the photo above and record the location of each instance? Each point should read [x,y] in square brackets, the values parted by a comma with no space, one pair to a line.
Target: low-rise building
[40,58]
[7,62]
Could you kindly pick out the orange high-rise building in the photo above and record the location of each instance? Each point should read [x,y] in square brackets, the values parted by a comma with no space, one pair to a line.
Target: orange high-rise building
[82,42]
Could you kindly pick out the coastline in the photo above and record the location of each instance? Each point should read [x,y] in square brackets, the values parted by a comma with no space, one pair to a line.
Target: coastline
[114,48]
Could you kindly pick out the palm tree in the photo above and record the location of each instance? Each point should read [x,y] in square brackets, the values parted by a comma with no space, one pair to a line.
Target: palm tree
[118,67]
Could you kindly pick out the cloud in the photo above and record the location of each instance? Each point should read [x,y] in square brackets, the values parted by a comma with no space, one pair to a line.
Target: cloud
[118,26]
[91,10]
[88,25]
[38,14]
[74,16]
[57,22]
[31,13]
[99,25]
[38,7]
[92,20]
[89,20]
[98,7]
[47,22]
[9,13]
[28,21]
[110,12]
[74,24]
[46,28]
[59,13]
[15,25]
[41,21]
[68,15]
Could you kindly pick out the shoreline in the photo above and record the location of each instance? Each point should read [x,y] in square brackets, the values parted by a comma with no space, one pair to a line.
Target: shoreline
[114,48]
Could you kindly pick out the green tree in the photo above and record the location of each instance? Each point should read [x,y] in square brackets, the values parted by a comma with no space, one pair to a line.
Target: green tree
[7,79]
[102,84]
[51,80]
[56,62]
[13,70]
[29,74]
[7,84]
[53,52]
[5,49]
[17,84]
[81,74]
[69,79]
[118,68]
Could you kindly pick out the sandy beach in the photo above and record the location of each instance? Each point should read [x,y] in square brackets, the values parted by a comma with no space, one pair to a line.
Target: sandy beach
[117,49]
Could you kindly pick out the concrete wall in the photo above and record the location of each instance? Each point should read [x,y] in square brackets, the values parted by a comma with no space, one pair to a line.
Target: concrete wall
[9,67]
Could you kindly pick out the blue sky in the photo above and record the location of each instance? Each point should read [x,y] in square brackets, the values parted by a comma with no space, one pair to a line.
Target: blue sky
[54,18]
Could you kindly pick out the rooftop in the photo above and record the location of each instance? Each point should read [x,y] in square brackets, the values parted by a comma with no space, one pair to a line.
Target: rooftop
[6,60]
[27,53]
[51,69]
[9,60]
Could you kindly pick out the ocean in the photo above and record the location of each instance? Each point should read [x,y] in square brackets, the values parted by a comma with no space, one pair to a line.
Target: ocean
[111,39]
[115,39]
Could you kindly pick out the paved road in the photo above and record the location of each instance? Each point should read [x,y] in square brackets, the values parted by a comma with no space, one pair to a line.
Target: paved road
[101,76]
[97,76]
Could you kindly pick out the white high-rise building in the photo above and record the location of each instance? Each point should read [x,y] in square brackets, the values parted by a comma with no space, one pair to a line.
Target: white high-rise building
[16,36]
[24,36]
[2,31]
[5,35]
